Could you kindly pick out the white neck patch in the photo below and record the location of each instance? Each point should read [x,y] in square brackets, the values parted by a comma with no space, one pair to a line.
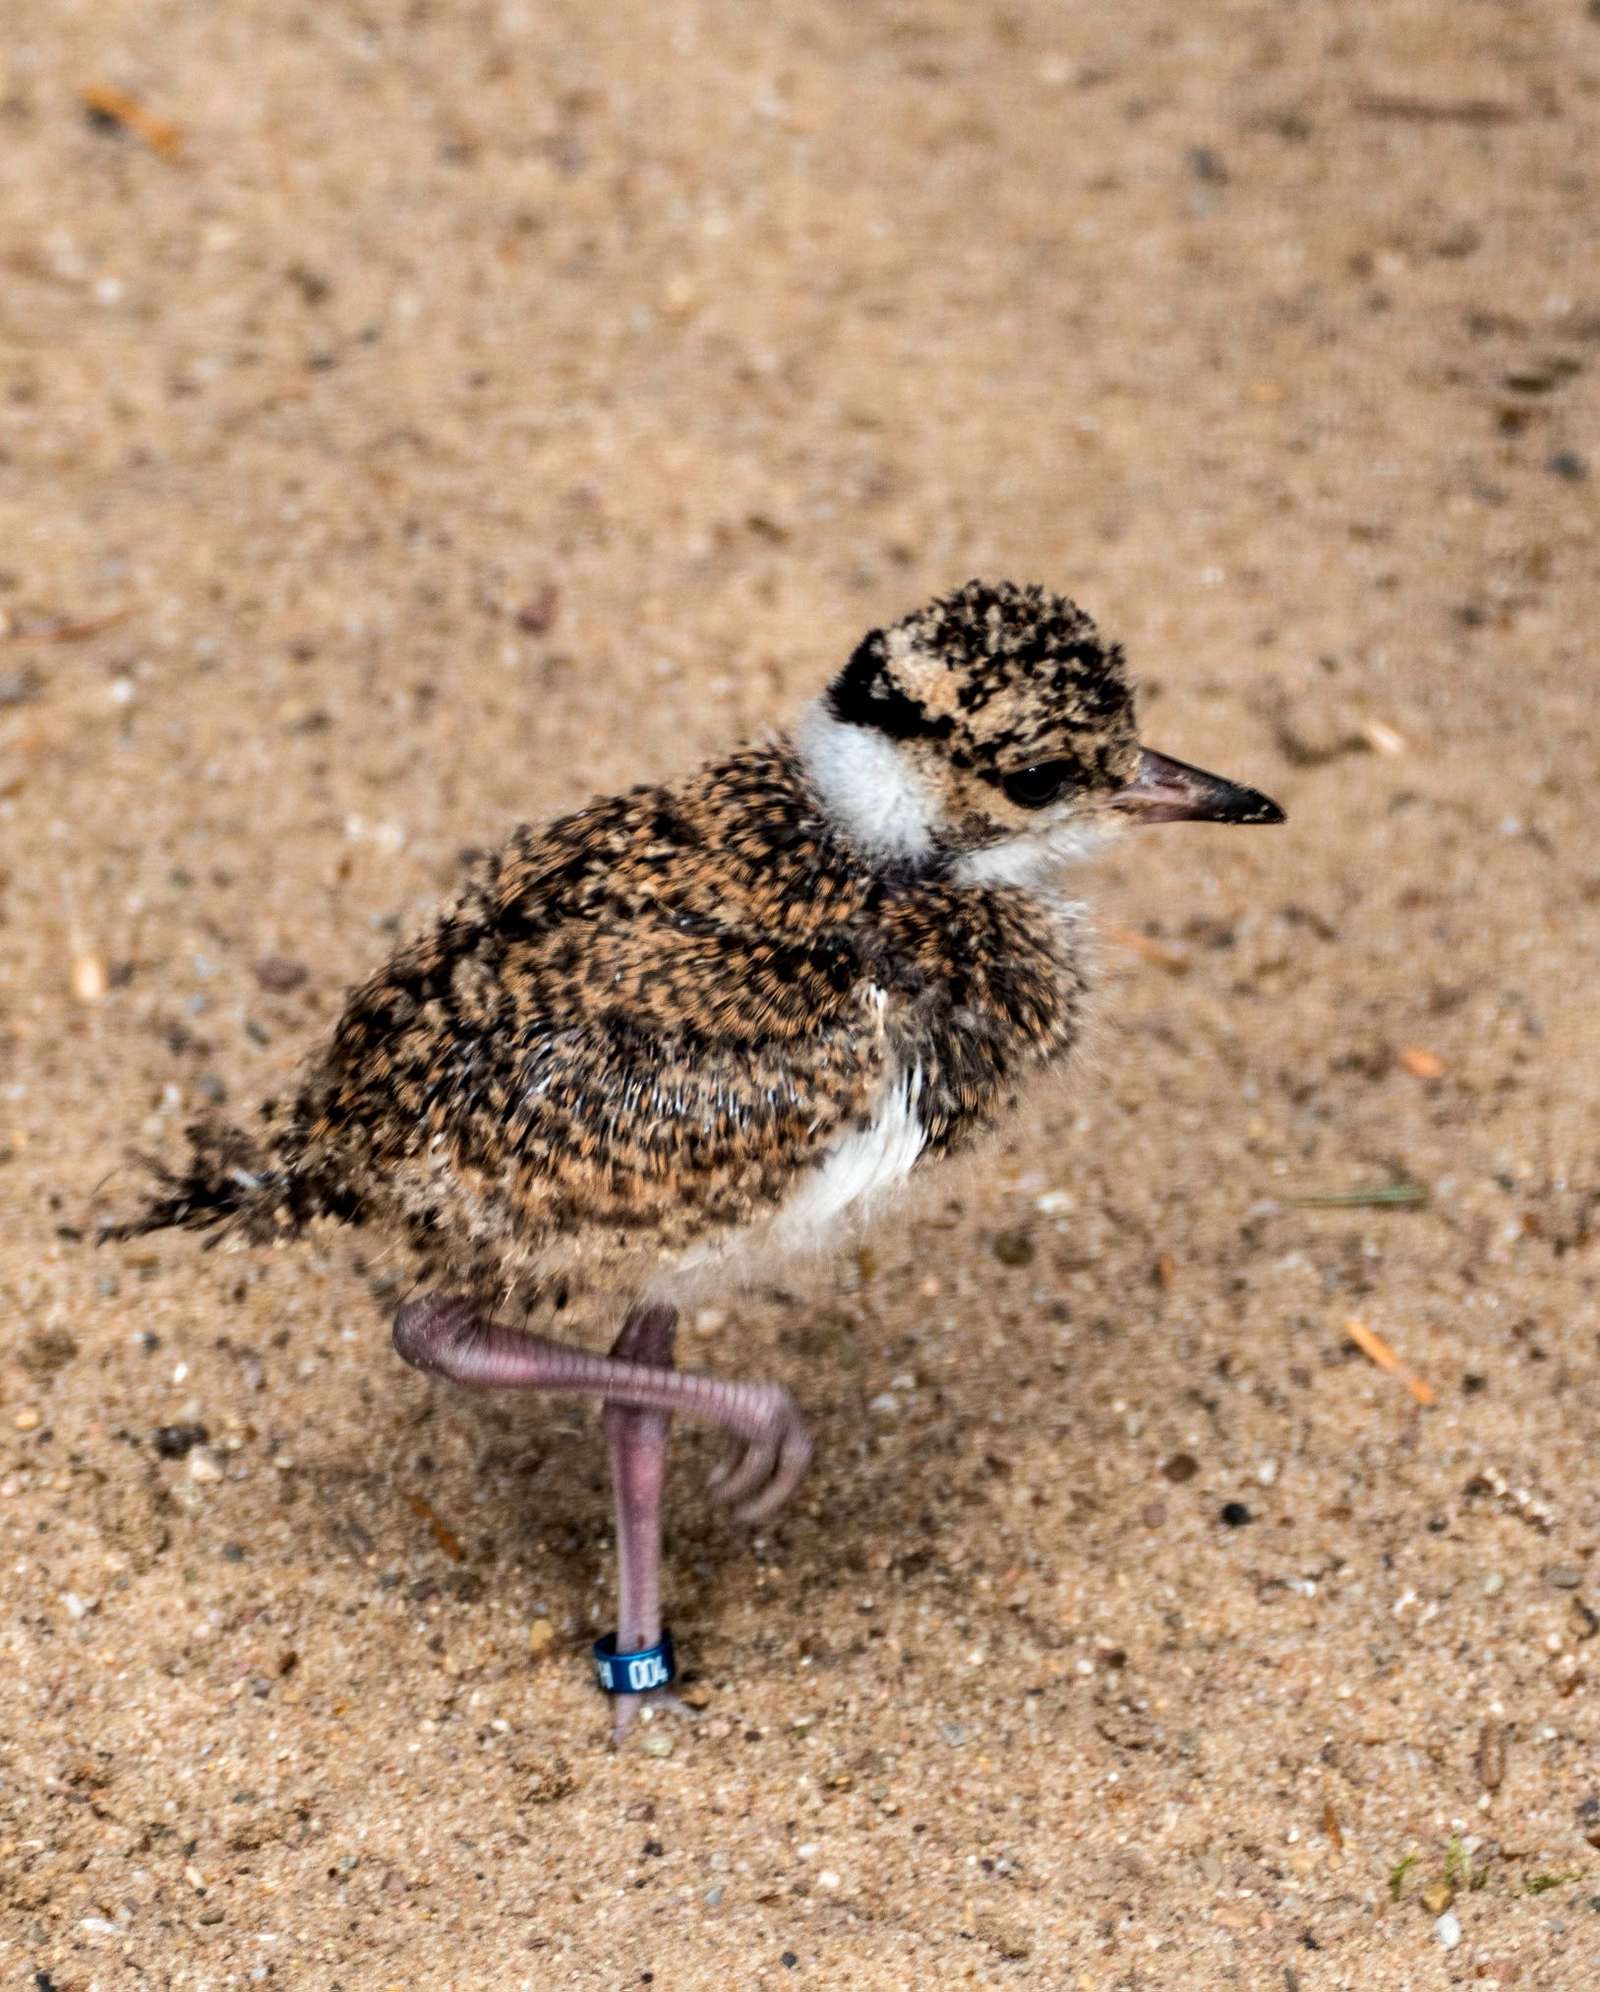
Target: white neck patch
[865,786]
[1033,859]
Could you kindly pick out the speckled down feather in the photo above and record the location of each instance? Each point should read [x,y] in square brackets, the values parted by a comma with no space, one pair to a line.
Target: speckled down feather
[637,1029]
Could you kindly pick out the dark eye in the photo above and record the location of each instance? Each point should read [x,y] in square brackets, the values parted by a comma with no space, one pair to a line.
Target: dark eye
[1033,788]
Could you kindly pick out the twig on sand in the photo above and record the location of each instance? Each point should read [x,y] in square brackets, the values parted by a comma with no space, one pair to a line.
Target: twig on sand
[1175,960]
[1377,1350]
[113,106]
[442,1533]
[66,632]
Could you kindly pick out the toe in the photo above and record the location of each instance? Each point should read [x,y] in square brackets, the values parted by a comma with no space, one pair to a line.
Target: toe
[739,1477]
[794,1456]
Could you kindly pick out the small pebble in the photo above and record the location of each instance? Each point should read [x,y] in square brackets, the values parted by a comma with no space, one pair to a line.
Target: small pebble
[541,1637]
[885,1403]
[1569,465]
[1493,1584]
[175,1441]
[28,1420]
[1562,1577]
[1014,1248]
[97,1926]
[1448,1929]
[1235,1515]
[657,1744]
[1181,1467]
[280,975]
[204,1466]
[89,980]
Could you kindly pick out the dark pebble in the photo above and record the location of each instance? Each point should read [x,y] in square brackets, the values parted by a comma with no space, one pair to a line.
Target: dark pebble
[1014,1248]
[1562,1577]
[174,1441]
[46,1351]
[1235,1514]
[17,687]
[538,612]
[1568,464]
[1181,1467]
[279,974]
[788,1960]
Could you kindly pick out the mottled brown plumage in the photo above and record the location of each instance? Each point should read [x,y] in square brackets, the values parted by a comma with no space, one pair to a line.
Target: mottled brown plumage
[713,1017]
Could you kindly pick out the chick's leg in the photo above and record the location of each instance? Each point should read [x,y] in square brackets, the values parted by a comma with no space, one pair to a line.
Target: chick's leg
[637,1444]
[450,1337]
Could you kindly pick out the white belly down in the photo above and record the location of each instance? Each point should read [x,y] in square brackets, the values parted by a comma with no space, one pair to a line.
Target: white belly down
[858,1170]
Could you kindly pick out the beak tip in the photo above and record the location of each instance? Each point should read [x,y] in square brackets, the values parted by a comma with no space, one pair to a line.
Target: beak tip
[1169,791]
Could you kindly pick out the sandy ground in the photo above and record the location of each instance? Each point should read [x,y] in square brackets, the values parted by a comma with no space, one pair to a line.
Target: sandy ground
[491,404]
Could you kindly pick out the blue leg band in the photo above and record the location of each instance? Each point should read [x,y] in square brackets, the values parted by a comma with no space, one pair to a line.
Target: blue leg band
[634,1673]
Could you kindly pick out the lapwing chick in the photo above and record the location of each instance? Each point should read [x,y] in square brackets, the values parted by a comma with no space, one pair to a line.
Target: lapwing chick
[684,1033]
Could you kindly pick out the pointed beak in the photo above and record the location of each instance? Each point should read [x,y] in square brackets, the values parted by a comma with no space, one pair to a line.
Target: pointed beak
[1168,791]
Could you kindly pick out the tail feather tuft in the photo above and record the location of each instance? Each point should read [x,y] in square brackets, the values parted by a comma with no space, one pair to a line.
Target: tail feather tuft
[226,1187]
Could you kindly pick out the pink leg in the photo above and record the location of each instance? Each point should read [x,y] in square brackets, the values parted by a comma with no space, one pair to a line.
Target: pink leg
[449,1337]
[637,1443]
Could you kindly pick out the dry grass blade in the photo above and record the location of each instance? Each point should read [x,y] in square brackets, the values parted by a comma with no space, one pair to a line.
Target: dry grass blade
[1375,1196]
[1424,110]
